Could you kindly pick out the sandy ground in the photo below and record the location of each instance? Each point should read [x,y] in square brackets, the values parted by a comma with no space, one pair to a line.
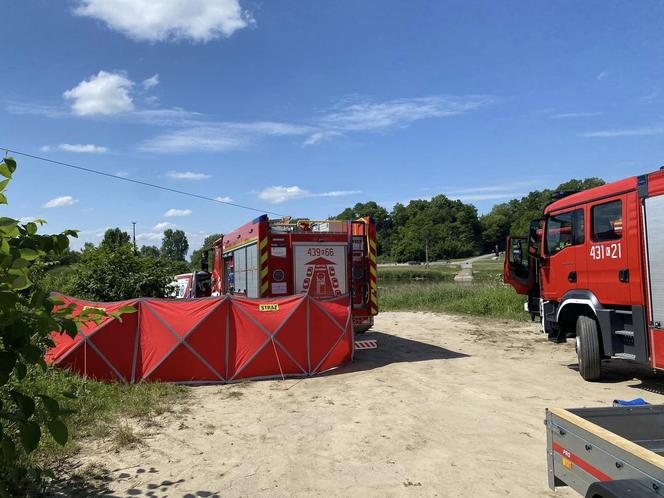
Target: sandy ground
[447,406]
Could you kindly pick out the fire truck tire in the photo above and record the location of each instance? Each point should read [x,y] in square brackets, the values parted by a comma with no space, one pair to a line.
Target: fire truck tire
[588,348]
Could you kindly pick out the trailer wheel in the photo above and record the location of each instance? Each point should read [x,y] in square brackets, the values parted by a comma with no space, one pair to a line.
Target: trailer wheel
[587,348]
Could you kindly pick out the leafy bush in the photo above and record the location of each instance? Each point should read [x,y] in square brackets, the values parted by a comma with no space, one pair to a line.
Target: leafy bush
[28,315]
[115,273]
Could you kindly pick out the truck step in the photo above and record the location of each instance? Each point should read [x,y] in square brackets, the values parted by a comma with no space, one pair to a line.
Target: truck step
[625,356]
[625,333]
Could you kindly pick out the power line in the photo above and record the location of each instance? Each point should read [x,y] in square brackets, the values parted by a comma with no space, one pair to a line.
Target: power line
[139,182]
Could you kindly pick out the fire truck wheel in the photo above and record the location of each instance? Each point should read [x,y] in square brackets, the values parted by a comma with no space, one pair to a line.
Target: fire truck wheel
[587,348]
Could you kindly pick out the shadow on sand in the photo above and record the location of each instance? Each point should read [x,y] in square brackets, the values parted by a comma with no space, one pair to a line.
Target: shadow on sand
[614,371]
[97,485]
[393,349]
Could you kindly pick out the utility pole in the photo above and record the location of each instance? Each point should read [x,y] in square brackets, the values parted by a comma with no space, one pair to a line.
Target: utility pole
[134,230]
[426,253]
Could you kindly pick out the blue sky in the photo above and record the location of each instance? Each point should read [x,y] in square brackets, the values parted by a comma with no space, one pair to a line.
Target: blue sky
[304,108]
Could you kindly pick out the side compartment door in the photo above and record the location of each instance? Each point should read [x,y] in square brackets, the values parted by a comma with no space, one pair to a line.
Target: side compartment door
[654,240]
[518,270]
[607,251]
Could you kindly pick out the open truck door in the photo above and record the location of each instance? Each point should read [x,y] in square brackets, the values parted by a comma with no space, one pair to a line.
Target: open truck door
[521,260]
[518,270]
[522,256]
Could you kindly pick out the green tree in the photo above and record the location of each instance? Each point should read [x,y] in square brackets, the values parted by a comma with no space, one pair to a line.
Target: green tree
[28,316]
[207,244]
[575,185]
[514,217]
[449,228]
[150,251]
[174,245]
[114,237]
[380,216]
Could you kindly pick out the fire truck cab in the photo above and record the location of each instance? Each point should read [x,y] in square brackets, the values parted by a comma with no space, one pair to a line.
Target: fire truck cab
[269,258]
[593,268]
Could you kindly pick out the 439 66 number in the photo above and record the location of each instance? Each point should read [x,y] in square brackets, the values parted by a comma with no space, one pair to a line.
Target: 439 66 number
[320,251]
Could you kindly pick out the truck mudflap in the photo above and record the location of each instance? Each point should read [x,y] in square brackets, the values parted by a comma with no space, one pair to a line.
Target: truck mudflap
[605,452]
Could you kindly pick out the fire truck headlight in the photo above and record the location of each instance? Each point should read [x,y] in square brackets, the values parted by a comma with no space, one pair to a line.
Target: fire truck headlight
[278,275]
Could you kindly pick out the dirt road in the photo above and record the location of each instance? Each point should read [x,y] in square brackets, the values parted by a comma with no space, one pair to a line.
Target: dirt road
[447,406]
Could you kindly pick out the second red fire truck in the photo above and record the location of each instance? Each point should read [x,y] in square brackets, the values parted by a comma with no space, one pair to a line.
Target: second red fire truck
[593,269]
[272,258]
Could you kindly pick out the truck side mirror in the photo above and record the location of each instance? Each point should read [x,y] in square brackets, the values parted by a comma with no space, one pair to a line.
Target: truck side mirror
[204,261]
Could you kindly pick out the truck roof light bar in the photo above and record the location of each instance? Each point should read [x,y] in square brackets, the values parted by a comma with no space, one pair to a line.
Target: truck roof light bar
[563,193]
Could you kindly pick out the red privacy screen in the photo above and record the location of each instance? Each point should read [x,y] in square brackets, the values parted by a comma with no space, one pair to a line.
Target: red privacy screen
[210,340]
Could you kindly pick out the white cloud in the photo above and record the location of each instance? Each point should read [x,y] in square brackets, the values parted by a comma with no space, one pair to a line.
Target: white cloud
[187,175]
[177,212]
[507,190]
[166,20]
[149,236]
[627,132]
[602,75]
[105,93]
[83,148]
[651,97]
[174,116]
[190,139]
[337,193]
[122,174]
[355,116]
[225,198]
[219,136]
[566,115]
[366,115]
[36,109]
[65,200]
[505,187]
[321,136]
[279,193]
[150,82]
[45,148]
[163,226]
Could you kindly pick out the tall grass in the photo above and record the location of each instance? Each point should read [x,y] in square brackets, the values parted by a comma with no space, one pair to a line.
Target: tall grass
[480,299]
[98,410]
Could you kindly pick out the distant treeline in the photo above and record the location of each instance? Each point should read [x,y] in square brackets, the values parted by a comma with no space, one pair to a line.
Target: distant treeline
[451,228]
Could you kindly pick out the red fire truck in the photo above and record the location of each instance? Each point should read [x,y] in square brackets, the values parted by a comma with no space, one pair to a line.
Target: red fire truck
[271,258]
[593,268]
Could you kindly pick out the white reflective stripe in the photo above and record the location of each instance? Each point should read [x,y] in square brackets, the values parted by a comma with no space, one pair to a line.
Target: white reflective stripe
[576,301]
[366,344]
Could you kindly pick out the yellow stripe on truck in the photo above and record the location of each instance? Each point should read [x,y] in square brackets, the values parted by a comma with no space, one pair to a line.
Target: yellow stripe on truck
[373,277]
[264,273]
